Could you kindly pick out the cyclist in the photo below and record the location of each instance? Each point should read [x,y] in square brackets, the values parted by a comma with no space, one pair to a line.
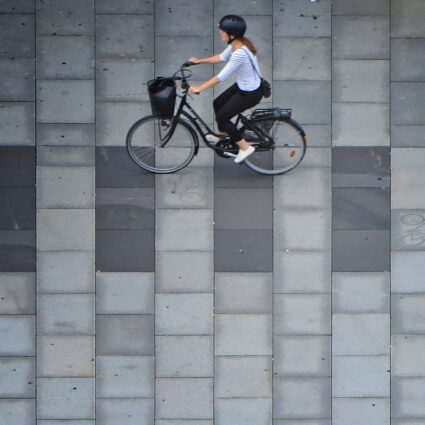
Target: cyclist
[240,56]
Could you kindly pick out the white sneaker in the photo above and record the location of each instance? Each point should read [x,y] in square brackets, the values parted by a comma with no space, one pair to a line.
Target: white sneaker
[214,139]
[242,155]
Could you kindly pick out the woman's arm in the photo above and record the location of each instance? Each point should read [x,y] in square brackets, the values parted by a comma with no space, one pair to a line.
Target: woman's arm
[211,59]
[210,83]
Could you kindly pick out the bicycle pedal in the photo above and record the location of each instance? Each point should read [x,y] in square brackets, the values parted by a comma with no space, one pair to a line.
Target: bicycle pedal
[229,154]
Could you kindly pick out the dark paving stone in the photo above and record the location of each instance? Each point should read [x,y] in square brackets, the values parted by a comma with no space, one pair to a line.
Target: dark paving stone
[17,166]
[115,168]
[17,81]
[125,250]
[361,208]
[17,251]
[17,38]
[243,250]
[243,208]
[125,6]
[17,209]
[408,103]
[125,209]
[66,134]
[361,250]
[361,167]
[21,6]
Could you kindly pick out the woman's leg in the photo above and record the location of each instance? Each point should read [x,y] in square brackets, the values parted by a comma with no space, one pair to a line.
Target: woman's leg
[221,100]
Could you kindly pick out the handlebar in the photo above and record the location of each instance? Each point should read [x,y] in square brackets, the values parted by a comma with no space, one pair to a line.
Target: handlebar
[184,77]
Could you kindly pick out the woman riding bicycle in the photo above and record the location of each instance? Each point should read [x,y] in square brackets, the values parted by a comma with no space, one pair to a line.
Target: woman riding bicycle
[245,93]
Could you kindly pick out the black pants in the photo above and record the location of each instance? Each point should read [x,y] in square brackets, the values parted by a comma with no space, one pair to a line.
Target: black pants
[230,103]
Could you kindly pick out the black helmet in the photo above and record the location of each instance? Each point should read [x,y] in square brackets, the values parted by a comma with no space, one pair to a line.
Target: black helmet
[233,25]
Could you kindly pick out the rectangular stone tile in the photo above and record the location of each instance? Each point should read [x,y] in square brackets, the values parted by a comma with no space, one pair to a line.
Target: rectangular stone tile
[407,397]
[406,228]
[125,209]
[302,314]
[361,250]
[65,135]
[222,7]
[65,272]
[302,422]
[125,377]
[295,19]
[407,103]
[66,398]
[408,314]
[65,57]
[17,36]
[406,355]
[65,229]
[361,7]
[239,411]
[315,157]
[17,208]
[184,356]
[66,422]
[69,101]
[360,292]
[408,136]
[302,272]
[318,135]
[125,6]
[183,314]
[65,314]
[185,398]
[17,293]
[17,334]
[302,356]
[183,422]
[302,398]
[360,376]
[23,6]
[125,250]
[125,293]
[406,63]
[66,156]
[18,377]
[17,250]
[360,334]
[407,18]
[302,58]
[124,335]
[361,167]
[66,356]
[243,250]
[18,412]
[124,411]
[408,270]
[17,123]
[314,109]
[352,411]
[360,37]
[129,36]
[243,334]
[65,17]
[17,83]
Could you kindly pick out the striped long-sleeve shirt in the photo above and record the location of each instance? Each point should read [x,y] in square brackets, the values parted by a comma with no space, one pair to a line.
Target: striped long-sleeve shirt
[239,62]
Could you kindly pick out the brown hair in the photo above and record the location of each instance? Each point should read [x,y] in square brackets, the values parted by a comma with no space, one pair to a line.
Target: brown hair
[248,43]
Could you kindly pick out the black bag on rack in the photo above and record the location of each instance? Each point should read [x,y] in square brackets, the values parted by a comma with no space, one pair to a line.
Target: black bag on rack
[162,96]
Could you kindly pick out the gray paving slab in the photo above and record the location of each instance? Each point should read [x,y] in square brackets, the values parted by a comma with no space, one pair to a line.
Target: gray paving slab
[184,398]
[65,356]
[407,396]
[406,18]
[17,293]
[302,356]
[406,64]
[318,135]
[23,6]
[360,376]
[239,411]
[66,422]
[243,334]
[406,356]
[65,229]
[360,37]
[17,123]
[125,377]
[302,272]
[407,272]
[408,136]
[126,6]
[351,411]
[183,422]
[17,36]
[316,157]
[129,36]
[17,250]
[65,272]
[18,375]
[19,412]
[65,398]
[302,398]
[124,293]
[124,411]
[406,229]
[17,333]
[65,156]
[65,135]
[362,7]
[407,102]
[184,356]
[361,292]
[302,422]
[17,83]
[222,8]
[62,57]
[65,314]
[69,101]
[360,334]
[295,19]
[407,315]
[65,17]
[124,335]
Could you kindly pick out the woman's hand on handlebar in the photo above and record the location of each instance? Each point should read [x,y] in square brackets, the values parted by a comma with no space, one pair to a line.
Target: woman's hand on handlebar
[194,90]
[195,60]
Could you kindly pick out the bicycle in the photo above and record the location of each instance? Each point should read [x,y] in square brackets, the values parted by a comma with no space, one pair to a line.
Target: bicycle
[167,144]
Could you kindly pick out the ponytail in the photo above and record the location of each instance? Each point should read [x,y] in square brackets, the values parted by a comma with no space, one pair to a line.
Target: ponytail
[248,43]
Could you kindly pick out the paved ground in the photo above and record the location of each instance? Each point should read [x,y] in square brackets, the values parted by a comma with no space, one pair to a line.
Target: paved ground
[214,295]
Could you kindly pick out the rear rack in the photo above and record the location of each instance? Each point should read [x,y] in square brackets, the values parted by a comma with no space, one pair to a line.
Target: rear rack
[272,113]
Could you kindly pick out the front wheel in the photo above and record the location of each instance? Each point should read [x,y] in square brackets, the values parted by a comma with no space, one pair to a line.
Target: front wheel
[161,146]
[286,152]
